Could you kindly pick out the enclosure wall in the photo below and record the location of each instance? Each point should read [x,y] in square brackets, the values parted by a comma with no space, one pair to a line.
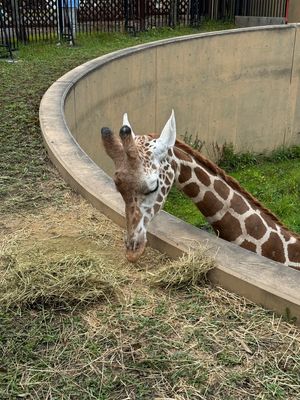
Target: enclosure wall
[238,87]
[294,11]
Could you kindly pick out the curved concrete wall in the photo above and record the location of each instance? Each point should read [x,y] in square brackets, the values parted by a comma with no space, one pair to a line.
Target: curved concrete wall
[237,86]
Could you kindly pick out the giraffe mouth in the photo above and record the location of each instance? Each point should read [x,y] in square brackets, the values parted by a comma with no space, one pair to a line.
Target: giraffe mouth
[133,255]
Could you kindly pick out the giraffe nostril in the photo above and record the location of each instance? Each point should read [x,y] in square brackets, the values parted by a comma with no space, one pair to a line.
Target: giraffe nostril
[136,243]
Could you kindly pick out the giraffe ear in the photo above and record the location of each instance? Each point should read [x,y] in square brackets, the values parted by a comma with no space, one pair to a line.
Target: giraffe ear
[127,123]
[168,135]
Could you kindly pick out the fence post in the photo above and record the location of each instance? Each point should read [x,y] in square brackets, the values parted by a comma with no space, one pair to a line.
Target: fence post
[142,15]
[173,13]
[126,14]
[17,16]
[195,12]
[59,17]
[4,35]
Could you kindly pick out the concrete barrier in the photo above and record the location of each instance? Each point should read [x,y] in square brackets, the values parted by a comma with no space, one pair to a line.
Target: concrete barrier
[239,86]
[244,21]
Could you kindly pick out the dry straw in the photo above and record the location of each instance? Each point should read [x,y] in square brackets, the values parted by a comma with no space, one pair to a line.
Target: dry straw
[189,269]
[66,281]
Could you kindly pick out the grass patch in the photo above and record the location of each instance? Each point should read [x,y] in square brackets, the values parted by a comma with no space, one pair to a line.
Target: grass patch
[193,343]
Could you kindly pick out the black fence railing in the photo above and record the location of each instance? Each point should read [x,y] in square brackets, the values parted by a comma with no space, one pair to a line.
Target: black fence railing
[262,8]
[34,20]
[27,20]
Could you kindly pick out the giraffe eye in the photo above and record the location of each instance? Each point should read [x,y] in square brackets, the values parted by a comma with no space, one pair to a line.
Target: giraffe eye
[152,191]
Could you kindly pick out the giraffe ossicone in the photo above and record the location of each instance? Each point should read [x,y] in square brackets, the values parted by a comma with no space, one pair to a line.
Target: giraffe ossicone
[146,168]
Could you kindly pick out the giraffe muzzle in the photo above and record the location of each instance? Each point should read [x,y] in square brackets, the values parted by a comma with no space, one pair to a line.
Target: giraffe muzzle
[135,248]
[133,255]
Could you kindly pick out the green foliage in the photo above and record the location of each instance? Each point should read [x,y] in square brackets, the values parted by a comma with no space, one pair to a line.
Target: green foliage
[195,143]
[229,160]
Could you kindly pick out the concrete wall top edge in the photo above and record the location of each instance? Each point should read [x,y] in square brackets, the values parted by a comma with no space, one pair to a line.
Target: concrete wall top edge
[79,72]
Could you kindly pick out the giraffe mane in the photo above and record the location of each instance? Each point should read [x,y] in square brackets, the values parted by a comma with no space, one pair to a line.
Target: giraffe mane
[212,167]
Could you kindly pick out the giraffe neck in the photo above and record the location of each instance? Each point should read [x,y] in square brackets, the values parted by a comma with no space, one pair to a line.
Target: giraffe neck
[234,214]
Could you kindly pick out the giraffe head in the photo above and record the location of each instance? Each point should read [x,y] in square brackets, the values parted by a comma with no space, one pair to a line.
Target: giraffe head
[144,175]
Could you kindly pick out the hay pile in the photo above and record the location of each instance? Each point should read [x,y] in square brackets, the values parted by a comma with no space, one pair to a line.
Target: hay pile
[190,269]
[66,281]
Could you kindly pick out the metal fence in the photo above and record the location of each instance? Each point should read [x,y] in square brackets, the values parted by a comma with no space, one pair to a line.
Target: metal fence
[34,20]
[262,8]
[28,20]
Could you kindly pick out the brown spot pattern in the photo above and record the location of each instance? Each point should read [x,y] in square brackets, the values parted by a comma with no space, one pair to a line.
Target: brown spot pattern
[191,190]
[202,176]
[167,181]
[156,208]
[248,245]
[182,155]
[285,234]
[228,228]
[294,252]
[159,198]
[238,204]
[174,165]
[269,221]
[255,227]
[222,189]
[273,248]
[209,205]
[185,173]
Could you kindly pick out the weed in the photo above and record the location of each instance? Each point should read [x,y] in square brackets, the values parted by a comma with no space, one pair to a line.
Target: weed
[230,160]
[195,142]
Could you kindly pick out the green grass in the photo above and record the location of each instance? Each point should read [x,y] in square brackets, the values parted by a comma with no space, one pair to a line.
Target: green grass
[184,345]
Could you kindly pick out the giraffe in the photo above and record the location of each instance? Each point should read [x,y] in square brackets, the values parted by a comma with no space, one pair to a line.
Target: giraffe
[147,167]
